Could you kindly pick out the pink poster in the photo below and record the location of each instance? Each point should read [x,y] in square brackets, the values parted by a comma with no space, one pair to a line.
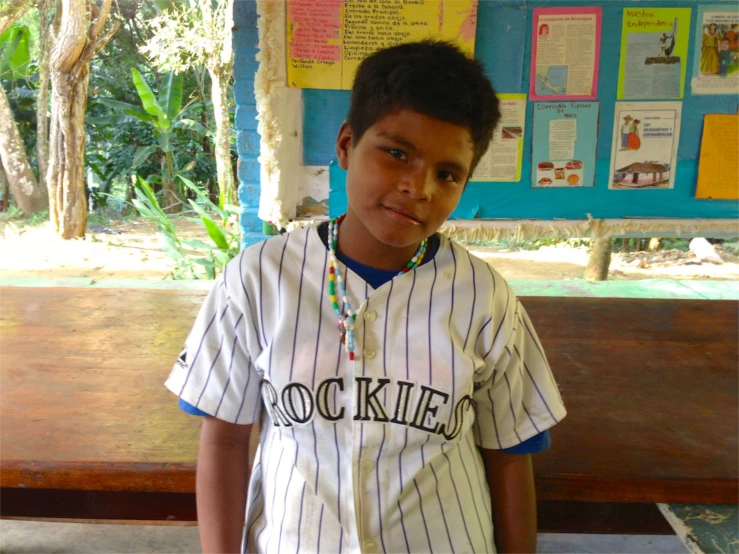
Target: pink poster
[565,53]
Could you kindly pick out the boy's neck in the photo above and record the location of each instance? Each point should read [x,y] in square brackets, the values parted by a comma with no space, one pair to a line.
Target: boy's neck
[356,242]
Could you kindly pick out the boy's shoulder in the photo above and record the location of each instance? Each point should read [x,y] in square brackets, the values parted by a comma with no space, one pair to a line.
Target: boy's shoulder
[263,258]
[483,276]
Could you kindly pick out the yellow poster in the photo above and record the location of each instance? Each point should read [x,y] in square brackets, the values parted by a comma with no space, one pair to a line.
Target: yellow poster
[327,40]
[718,169]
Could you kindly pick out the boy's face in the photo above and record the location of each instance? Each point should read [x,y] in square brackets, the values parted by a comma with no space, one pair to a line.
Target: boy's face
[405,175]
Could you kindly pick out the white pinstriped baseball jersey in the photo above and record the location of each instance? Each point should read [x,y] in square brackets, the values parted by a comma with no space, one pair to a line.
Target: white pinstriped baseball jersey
[378,454]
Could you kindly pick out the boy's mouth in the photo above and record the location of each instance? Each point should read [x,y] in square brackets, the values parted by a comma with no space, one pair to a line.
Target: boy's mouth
[401,215]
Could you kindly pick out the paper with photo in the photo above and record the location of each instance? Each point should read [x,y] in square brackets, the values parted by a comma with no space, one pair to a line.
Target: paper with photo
[565,136]
[327,40]
[645,140]
[565,53]
[654,53]
[718,168]
[716,53]
[502,161]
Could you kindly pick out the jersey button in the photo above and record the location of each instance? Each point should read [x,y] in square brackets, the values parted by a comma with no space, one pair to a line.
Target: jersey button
[370,546]
[367,466]
[370,315]
[369,353]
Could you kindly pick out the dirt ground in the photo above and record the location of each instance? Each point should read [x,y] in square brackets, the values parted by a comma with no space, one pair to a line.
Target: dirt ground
[132,250]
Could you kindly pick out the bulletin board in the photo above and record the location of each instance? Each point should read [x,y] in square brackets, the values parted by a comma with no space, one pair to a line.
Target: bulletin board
[503,43]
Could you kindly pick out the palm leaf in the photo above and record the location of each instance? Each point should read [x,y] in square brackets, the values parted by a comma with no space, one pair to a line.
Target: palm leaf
[142,152]
[170,94]
[215,233]
[148,99]
[191,125]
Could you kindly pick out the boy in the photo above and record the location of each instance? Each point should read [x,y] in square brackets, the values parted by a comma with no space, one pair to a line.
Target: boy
[724,57]
[410,427]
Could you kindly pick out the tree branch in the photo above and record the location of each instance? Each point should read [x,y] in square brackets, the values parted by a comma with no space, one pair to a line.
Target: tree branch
[99,22]
[12,12]
[91,49]
[72,36]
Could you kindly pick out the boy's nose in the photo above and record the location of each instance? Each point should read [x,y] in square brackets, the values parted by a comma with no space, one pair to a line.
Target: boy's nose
[418,185]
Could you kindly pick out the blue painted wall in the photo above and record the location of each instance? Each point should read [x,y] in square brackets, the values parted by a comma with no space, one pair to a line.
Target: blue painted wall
[504,46]
[245,41]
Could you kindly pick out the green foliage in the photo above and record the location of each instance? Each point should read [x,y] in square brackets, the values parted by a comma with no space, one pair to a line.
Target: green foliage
[194,259]
[15,57]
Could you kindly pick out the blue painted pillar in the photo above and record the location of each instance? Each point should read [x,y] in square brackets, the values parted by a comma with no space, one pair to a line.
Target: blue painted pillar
[245,44]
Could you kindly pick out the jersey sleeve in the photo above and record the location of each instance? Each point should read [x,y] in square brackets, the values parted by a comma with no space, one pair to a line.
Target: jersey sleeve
[516,396]
[214,373]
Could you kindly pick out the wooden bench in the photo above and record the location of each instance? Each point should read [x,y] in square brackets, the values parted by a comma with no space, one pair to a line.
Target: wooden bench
[88,430]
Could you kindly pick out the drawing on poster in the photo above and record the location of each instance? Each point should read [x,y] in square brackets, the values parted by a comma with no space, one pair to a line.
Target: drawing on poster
[565,53]
[654,48]
[716,63]
[645,145]
[565,136]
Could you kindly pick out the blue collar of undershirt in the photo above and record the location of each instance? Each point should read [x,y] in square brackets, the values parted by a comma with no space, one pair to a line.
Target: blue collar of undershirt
[376,277]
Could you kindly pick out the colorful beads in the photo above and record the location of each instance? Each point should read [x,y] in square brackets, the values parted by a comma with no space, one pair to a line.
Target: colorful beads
[348,316]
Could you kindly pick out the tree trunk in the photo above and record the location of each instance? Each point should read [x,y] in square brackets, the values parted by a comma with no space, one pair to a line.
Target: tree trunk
[600,260]
[219,67]
[5,202]
[28,196]
[42,97]
[219,94]
[80,39]
[18,173]
[67,202]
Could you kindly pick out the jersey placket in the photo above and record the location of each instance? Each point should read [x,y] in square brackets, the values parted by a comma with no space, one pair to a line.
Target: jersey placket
[368,429]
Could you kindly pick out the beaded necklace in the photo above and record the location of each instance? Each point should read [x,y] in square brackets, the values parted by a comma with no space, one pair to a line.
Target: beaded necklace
[348,316]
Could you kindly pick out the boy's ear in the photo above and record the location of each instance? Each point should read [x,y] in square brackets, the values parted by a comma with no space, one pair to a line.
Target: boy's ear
[344,145]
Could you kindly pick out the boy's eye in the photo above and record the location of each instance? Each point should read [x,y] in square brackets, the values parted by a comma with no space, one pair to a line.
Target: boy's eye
[395,153]
[448,176]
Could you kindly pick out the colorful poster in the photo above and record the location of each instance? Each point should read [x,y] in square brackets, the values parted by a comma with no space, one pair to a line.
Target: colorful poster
[565,53]
[565,137]
[645,138]
[716,57]
[718,169]
[327,40]
[502,161]
[654,53]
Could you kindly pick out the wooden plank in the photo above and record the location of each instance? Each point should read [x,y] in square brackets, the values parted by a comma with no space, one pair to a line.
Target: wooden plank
[650,385]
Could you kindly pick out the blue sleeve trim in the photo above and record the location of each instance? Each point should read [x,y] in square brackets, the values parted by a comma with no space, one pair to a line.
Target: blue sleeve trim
[536,444]
[190,409]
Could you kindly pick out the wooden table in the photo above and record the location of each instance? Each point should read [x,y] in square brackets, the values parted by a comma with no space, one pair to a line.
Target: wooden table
[89,431]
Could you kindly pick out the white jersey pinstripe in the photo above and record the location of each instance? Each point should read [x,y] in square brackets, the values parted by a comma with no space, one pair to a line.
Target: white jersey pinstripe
[377,454]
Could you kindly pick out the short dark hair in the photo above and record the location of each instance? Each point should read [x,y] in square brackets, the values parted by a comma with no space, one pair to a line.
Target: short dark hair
[431,77]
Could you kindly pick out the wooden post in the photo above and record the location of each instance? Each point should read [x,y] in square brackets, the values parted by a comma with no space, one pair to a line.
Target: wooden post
[600,260]
[625,245]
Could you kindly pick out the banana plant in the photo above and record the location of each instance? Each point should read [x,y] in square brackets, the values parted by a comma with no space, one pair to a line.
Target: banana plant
[15,57]
[194,259]
[164,114]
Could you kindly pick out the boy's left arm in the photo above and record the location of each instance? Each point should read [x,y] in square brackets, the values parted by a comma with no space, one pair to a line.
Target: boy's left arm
[513,499]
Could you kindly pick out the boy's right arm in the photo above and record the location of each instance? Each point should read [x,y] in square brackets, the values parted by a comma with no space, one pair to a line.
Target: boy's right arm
[221,484]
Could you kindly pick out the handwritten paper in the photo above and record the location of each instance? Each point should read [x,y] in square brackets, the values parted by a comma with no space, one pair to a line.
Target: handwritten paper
[327,40]
[502,161]
[565,52]
[654,53]
[718,168]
